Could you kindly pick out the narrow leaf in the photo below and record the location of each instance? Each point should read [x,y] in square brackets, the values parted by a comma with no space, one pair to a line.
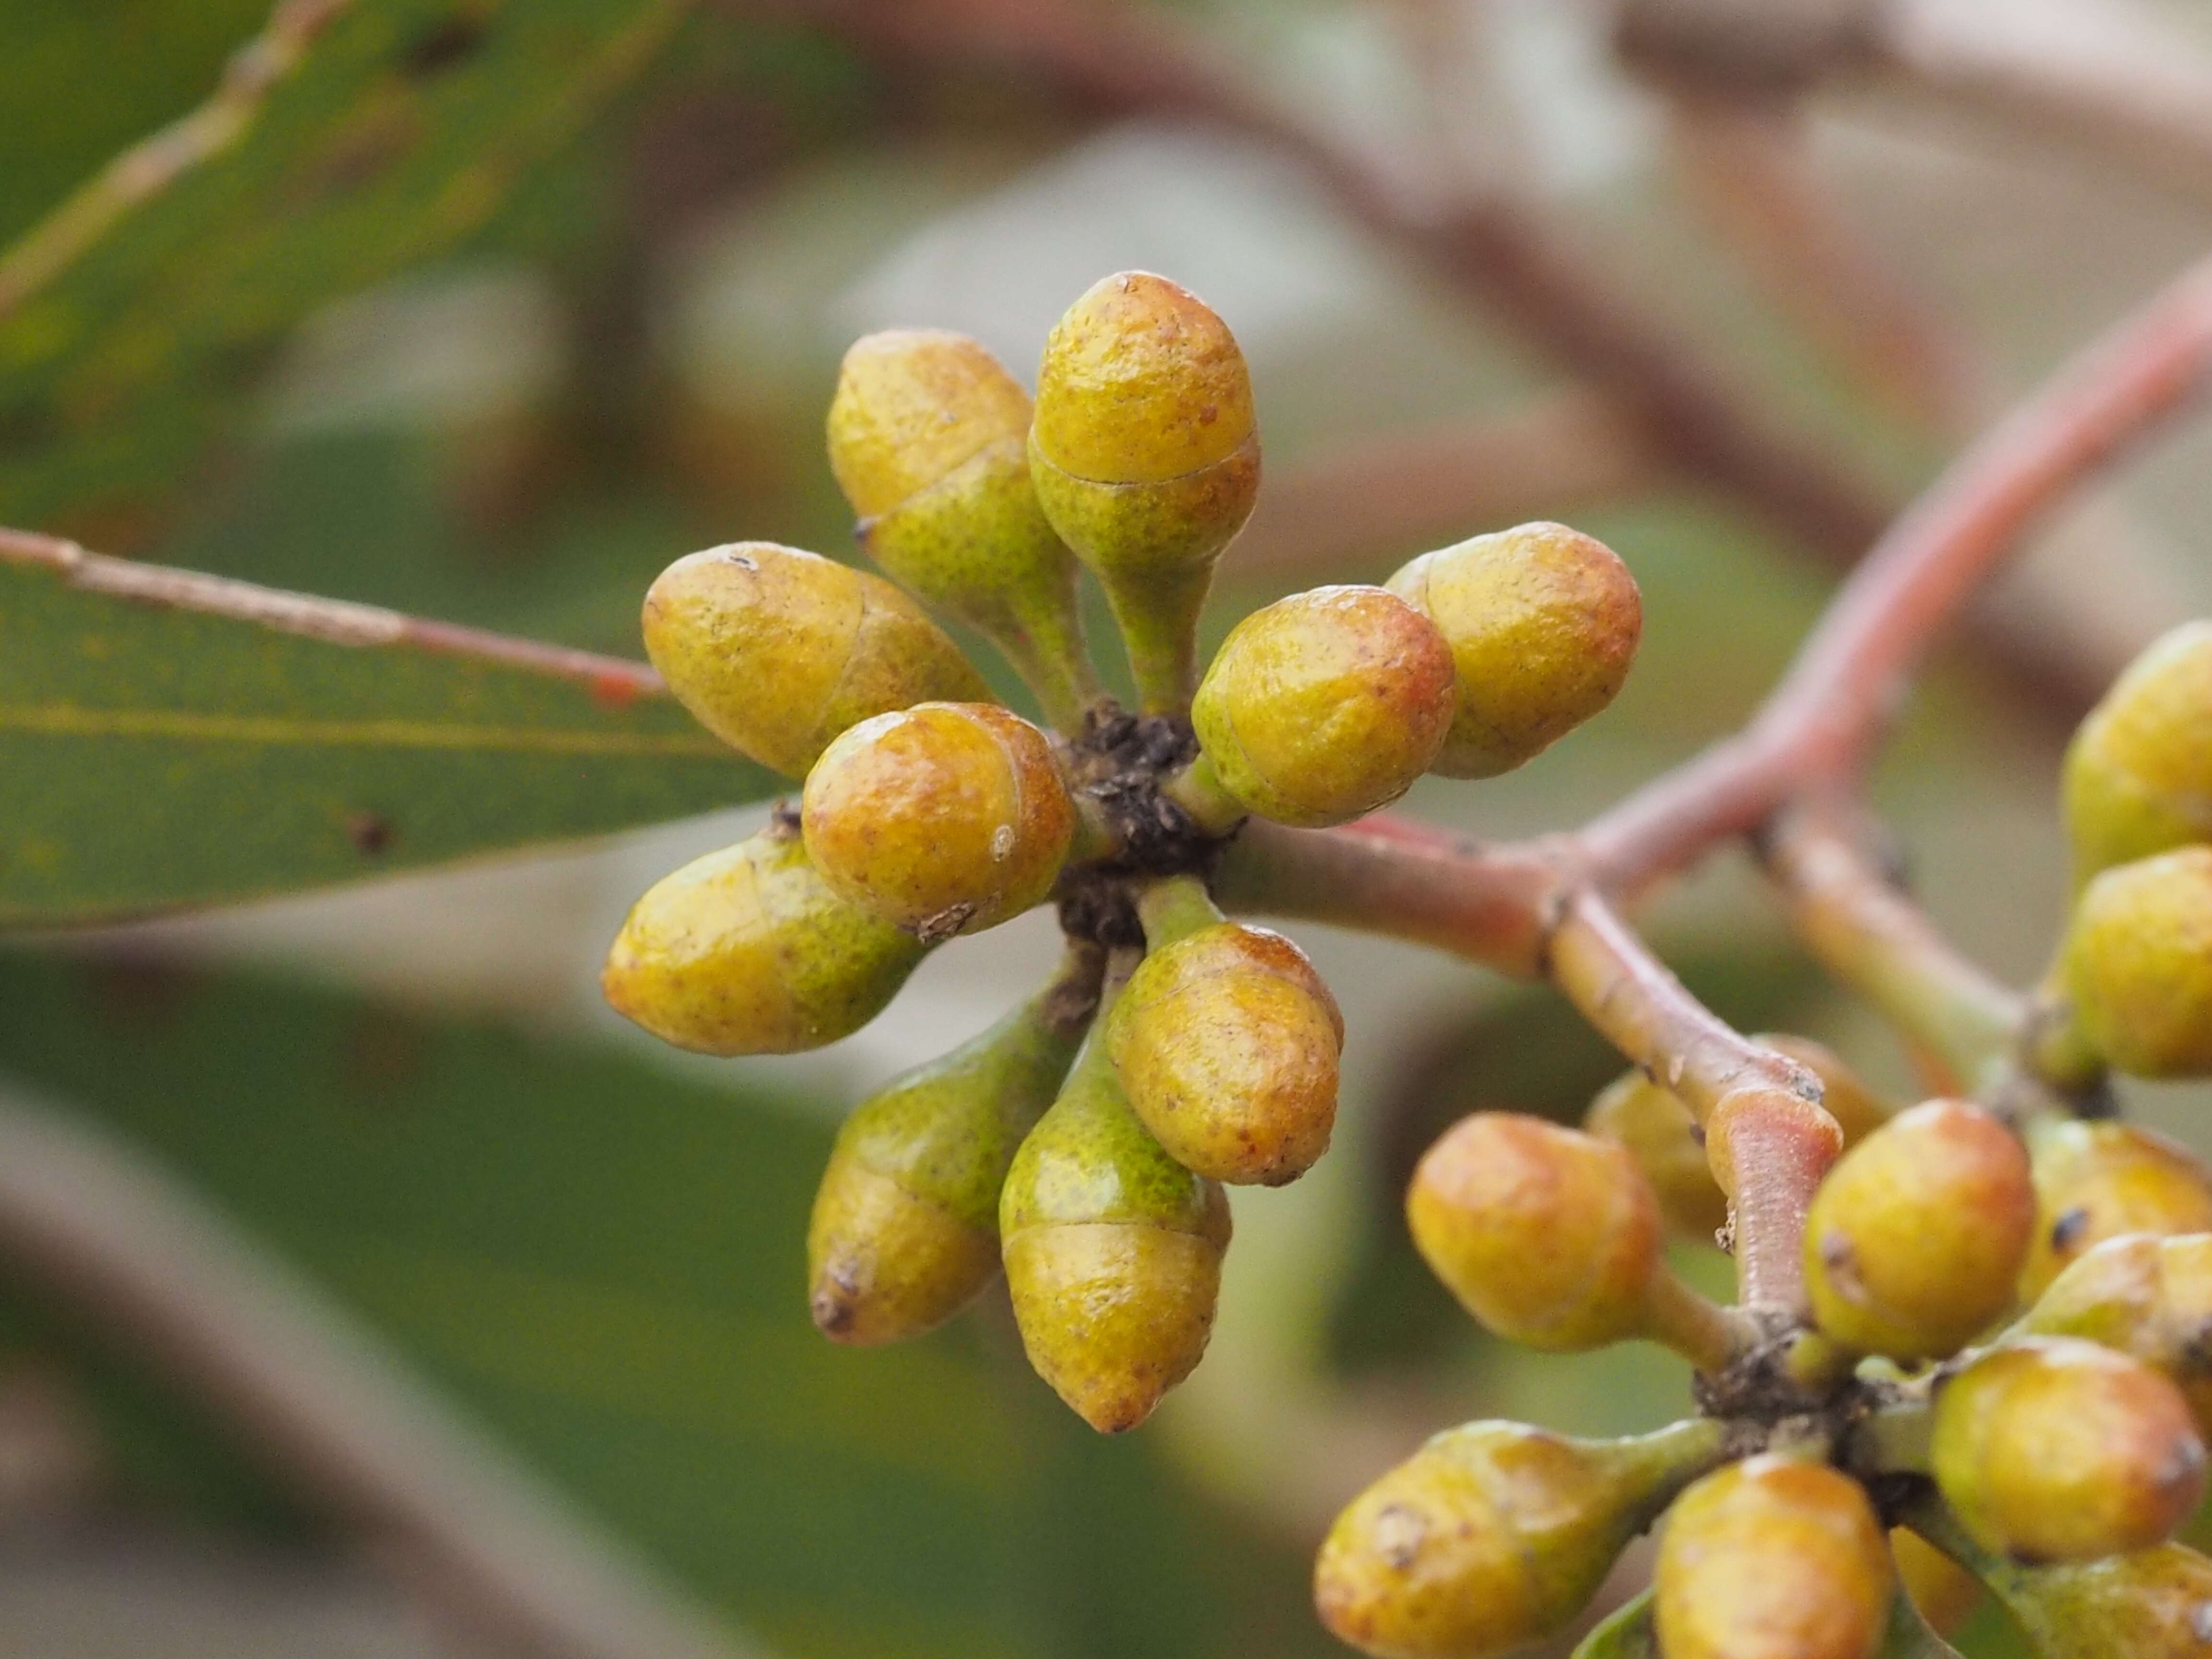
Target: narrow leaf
[1628,1633]
[170,740]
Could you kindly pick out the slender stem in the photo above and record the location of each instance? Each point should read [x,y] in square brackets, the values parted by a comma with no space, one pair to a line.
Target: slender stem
[1703,1333]
[1198,790]
[1894,1439]
[1769,1150]
[1485,904]
[1175,908]
[1873,937]
[1158,614]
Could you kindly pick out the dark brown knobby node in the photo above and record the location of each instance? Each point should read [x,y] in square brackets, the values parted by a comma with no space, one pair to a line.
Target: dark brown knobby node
[1119,761]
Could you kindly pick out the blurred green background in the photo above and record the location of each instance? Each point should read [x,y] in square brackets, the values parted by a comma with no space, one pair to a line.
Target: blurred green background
[489,312]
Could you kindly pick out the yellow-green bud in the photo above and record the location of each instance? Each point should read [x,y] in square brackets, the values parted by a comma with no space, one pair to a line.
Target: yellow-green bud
[1945,1593]
[2148,1297]
[1548,1237]
[1146,460]
[2154,1604]
[749,952]
[928,437]
[1494,1535]
[2098,1181]
[1112,1253]
[1326,705]
[1227,1042]
[1914,1241]
[2139,772]
[2051,1449]
[1663,1136]
[1772,1557]
[1543,622]
[776,651]
[945,818]
[905,1230]
[2139,963]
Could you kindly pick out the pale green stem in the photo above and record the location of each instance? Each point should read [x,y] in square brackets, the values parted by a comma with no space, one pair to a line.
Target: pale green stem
[1198,790]
[1174,908]
[1158,614]
[1045,645]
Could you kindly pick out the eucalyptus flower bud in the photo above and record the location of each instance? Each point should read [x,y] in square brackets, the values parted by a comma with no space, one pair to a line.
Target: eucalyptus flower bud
[776,652]
[945,818]
[1552,1238]
[749,952]
[2154,1604]
[2138,775]
[1494,1535]
[2147,1297]
[1226,1040]
[1326,705]
[2051,1449]
[1112,1253]
[1146,460]
[1543,624]
[928,437]
[905,1230]
[1771,1557]
[1914,1241]
[2139,965]
[2098,1181]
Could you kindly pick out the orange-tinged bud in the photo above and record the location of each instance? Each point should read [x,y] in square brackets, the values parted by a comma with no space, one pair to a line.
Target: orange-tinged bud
[2147,1297]
[1494,1535]
[2154,1604]
[2052,1449]
[1945,1593]
[749,952]
[1227,1042]
[1915,1240]
[1326,705]
[776,651]
[1662,1134]
[1543,622]
[1112,1253]
[905,1228]
[928,437]
[1147,461]
[943,818]
[2098,1181]
[2139,965]
[2139,770]
[1772,1558]
[1552,1238]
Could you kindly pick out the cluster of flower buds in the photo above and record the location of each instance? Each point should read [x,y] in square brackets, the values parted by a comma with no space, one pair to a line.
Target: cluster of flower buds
[2001,1376]
[1083,1143]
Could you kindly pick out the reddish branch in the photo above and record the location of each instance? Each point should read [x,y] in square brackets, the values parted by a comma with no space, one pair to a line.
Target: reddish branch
[1548,906]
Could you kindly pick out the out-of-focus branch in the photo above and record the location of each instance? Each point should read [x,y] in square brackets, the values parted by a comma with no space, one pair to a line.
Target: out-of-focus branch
[152,165]
[1499,249]
[1407,489]
[2117,84]
[166,1278]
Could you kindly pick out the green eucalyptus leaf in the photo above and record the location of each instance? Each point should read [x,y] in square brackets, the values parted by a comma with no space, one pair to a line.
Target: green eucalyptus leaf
[350,140]
[1909,1636]
[1626,1633]
[168,739]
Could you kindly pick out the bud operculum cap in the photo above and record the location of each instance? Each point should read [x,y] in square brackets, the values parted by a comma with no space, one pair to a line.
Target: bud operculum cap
[2138,777]
[776,651]
[1494,1535]
[1543,622]
[2052,1449]
[1227,1041]
[1145,458]
[2147,1297]
[2098,1181]
[1773,1556]
[1112,1253]
[929,439]
[2138,964]
[943,818]
[1915,1240]
[749,952]
[905,1225]
[1326,705]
